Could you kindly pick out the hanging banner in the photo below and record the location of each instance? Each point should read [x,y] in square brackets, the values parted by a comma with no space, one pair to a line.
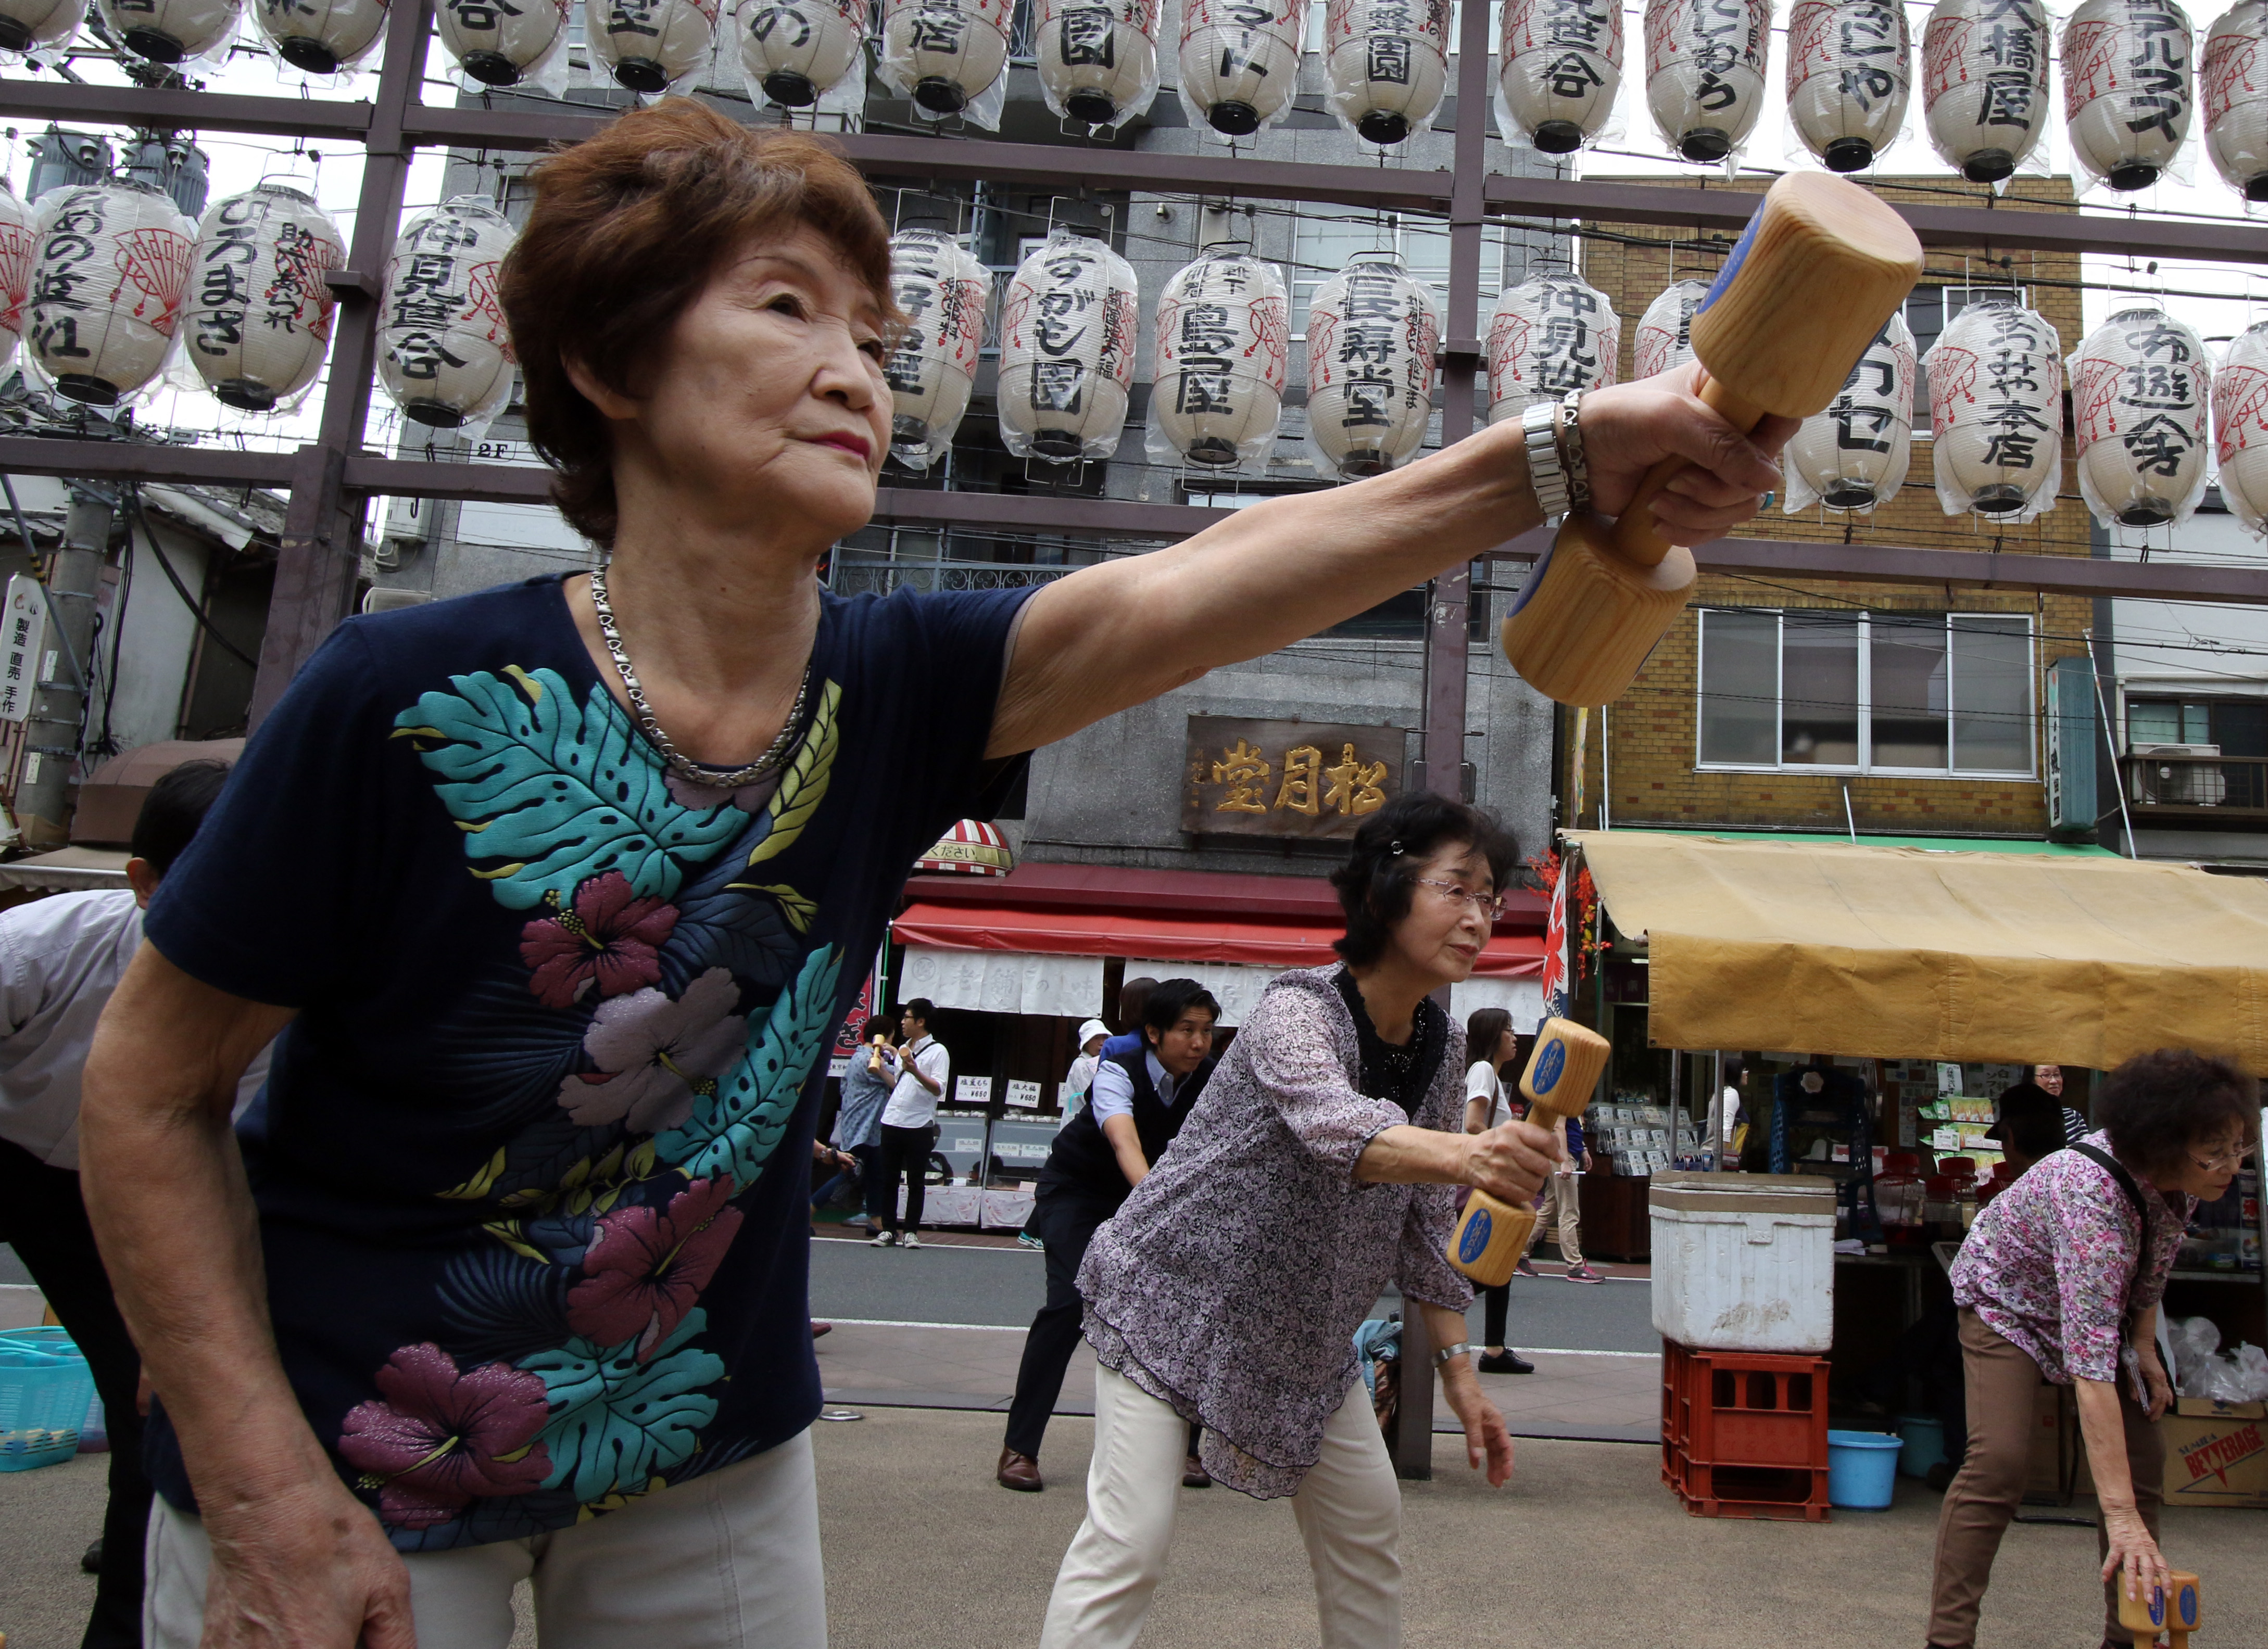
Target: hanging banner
[1555,948]
[27,634]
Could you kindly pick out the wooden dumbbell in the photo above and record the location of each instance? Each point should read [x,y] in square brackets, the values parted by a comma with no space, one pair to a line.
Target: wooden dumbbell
[1820,268]
[1490,1235]
[2173,1609]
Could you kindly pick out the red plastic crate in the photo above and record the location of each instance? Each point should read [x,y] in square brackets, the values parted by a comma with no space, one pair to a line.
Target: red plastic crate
[1744,1434]
[1753,1492]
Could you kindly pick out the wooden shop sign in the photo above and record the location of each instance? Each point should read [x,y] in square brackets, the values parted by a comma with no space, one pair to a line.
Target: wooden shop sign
[1287,778]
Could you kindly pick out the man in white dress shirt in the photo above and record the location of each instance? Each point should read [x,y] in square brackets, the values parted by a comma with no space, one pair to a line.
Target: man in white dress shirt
[921,1067]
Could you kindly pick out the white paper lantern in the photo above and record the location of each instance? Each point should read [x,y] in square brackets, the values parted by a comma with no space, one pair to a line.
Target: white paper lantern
[1560,66]
[2126,94]
[499,43]
[650,45]
[1854,456]
[105,290]
[1665,332]
[1985,83]
[170,31]
[1067,337]
[1240,60]
[257,315]
[2140,383]
[2240,426]
[943,291]
[945,54]
[19,243]
[1551,334]
[1098,58]
[1386,64]
[321,36]
[445,354]
[1850,66]
[1372,338]
[1224,335]
[1996,412]
[2233,83]
[1705,72]
[29,25]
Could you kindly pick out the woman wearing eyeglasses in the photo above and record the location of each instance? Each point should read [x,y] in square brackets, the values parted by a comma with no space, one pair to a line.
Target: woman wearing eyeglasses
[1318,1166]
[2059,1279]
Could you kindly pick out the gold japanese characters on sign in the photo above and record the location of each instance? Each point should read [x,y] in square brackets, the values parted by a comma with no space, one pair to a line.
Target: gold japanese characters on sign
[1296,778]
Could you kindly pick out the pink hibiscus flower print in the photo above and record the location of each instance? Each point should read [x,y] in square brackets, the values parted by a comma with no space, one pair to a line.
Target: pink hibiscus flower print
[648,1267]
[654,1055]
[606,938]
[440,1439]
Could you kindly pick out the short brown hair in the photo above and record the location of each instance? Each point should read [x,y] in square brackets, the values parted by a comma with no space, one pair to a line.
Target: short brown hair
[627,228]
[2157,1105]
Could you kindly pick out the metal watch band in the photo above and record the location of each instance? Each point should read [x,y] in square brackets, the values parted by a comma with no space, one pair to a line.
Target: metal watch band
[1571,451]
[1448,1351]
[1539,428]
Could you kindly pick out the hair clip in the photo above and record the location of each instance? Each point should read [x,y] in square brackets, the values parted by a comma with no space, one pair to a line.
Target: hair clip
[1393,848]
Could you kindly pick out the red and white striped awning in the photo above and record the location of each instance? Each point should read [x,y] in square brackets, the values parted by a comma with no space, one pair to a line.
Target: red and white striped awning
[972,848]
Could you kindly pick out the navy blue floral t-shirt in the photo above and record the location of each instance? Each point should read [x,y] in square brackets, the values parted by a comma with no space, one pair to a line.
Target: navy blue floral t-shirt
[532,1161]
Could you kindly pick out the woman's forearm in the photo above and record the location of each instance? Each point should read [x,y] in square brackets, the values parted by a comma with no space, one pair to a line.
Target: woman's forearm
[1408,1155]
[2103,1431]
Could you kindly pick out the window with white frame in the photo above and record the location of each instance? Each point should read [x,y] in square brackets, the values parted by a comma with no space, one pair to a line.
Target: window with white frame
[1918,693]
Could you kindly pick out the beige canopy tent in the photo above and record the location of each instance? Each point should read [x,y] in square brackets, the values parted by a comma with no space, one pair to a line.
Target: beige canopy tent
[1905,953]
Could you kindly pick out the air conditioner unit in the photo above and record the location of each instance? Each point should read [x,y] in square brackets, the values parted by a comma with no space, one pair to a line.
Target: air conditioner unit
[2177,775]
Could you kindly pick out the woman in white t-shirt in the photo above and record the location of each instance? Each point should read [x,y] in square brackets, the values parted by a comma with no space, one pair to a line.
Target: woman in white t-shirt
[1488,1038]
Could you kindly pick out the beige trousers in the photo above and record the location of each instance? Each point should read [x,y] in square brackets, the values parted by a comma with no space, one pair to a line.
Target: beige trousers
[1563,1207]
[1348,1509]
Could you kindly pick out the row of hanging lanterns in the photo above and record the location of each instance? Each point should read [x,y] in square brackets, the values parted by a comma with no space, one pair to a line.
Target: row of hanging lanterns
[319,36]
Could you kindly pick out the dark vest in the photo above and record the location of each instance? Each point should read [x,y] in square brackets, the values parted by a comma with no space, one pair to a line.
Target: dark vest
[1082,1157]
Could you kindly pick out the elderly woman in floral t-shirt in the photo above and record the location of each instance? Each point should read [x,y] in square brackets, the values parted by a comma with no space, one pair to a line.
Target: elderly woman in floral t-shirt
[2061,1280]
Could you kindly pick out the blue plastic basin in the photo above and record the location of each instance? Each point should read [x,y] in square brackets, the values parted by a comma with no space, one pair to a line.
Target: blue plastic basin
[1862,1469]
[1924,1435]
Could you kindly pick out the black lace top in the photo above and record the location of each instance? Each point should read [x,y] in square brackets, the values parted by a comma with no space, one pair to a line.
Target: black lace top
[1398,1074]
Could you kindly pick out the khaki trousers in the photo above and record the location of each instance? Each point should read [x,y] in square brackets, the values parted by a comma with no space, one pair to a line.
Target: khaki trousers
[2002,1382]
[1563,1207]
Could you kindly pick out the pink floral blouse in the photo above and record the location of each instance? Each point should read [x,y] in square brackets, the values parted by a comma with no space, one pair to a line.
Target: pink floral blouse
[2047,1262]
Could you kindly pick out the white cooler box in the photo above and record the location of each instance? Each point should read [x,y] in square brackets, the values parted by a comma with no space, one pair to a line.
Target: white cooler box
[1744,1261]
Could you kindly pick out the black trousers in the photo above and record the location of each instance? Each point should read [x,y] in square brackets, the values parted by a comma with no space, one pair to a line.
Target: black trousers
[42,1217]
[1496,1307]
[1065,1219]
[905,1152]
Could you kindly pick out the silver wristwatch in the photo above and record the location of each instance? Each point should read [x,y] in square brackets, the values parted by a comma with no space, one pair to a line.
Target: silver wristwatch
[1448,1351]
[1539,430]
[1571,451]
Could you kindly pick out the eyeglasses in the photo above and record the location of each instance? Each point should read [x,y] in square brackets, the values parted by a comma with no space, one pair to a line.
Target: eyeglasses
[1488,904]
[2227,1161]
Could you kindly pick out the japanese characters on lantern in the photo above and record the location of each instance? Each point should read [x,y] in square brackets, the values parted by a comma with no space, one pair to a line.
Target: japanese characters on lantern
[1854,456]
[1386,64]
[105,290]
[1705,72]
[1985,83]
[942,290]
[794,52]
[1850,66]
[2240,426]
[1551,334]
[1996,412]
[1665,332]
[500,43]
[1098,59]
[1240,60]
[2233,84]
[18,244]
[1067,336]
[33,24]
[321,36]
[444,355]
[1224,335]
[947,56]
[170,31]
[2140,383]
[1372,338]
[1560,66]
[2126,92]
[651,45]
[257,315]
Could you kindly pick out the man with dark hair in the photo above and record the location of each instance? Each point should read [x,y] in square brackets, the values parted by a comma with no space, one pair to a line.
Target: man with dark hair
[60,959]
[1141,1097]
[918,1068]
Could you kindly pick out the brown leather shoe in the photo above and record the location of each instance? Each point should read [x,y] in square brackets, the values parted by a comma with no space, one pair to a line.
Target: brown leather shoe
[1017,1471]
[1194,1475]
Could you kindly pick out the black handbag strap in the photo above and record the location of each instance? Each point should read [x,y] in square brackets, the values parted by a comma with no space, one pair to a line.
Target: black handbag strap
[2117,1171]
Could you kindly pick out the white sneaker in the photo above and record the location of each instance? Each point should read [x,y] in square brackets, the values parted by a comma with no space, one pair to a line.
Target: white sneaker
[882,1239]
[912,1239]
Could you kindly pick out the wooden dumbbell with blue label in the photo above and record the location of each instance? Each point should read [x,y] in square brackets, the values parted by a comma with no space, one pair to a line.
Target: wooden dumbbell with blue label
[1490,1235]
[2171,1609]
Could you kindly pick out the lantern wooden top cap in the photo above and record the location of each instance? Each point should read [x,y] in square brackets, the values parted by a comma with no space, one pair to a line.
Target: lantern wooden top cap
[1818,271]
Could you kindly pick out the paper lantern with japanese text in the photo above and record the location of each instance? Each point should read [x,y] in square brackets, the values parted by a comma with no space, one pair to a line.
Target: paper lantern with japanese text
[1665,332]
[651,45]
[1560,66]
[320,37]
[1067,335]
[18,241]
[2233,78]
[105,289]
[257,315]
[1996,412]
[1373,339]
[1850,67]
[34,25]
[1705,72]
[1551,334]
[1240,60]
[1098,59]
[170,31]
[945,55]
[2140,383]
[1385,64]
[2126,92]
[1985,83]
[1224,336]
[2240,426]
[795,51]
[445,354]
[942,290]
[1854,455]
[498,43]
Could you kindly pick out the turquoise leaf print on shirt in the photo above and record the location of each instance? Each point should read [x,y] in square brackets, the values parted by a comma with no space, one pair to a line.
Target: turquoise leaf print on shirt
[616,1421]
[734,1128]
[549,793]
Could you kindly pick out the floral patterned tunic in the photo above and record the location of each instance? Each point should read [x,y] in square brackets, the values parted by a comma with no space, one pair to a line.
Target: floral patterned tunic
[532,1161]
[1231,1284]
[2047,1264]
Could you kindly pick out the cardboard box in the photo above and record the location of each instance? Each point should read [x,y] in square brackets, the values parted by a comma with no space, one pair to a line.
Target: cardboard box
[2216,1453]
[2047,1478]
